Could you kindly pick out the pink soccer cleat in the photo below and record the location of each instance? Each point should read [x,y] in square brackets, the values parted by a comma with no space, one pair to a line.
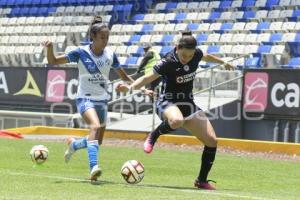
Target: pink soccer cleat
[204,185]
[149,143]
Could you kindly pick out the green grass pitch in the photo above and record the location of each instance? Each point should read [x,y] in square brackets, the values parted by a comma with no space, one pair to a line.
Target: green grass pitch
[169,174]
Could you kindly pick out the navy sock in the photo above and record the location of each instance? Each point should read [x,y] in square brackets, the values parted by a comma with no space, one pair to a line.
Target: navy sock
[163,128]
[208,157]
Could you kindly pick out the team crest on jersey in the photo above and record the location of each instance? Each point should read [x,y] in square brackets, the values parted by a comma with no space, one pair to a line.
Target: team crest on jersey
[186,68]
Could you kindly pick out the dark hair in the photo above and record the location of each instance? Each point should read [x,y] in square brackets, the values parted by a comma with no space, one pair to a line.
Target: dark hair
[186,32]
[96,26]
[187,41]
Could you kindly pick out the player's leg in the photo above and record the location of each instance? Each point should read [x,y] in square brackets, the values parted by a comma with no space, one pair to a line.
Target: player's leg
[172,119]
[199,126]
[91,118]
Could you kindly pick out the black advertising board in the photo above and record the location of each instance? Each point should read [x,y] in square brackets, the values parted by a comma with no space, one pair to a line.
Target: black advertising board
[272,92]
[48,89]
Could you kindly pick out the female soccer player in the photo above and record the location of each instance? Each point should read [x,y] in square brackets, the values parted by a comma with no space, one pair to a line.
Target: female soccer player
[175,104]
[94,63]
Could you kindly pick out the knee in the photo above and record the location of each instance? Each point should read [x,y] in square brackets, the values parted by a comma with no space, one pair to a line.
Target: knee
[176,122]
[212,142]
[95,128]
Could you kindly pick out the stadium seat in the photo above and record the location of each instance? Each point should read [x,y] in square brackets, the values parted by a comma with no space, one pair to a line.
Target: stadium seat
[225,4]
[275,37]
[288,26]
[236,4]
[225,49]
[253,62]
[226,15]
[249,14]
[169,16]
[167,39]
[263,37]
[203,15]
[284,2]
[277,49]
[214,4]
[193,26]
[201,37]
[248,3]
[179,17]
[147,28]
[251,38]
[293,63]
[264,49]
[273,14]
[263,26]
[134,39]
[226,26]
[203,5]
[131,61]
[215,26]
[226,37]
[191,16]
[214,49]
[192,6]
[238,49]
[249,49]
[272,3]
[261,14]
[166,49]
[260,3]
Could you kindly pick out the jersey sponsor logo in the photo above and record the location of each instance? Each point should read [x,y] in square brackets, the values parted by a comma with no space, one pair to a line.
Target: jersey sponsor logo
[30,87]
[186,78]
[256,91]
[186,68]
[55,88]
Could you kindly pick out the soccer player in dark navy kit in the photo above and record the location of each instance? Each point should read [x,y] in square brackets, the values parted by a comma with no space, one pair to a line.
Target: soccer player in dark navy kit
[175,104]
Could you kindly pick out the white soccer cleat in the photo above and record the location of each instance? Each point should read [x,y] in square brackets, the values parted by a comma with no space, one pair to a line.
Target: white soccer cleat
[95,173]
[70,151]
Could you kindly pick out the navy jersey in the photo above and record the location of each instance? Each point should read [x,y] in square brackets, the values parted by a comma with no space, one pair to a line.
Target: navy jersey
[177,78]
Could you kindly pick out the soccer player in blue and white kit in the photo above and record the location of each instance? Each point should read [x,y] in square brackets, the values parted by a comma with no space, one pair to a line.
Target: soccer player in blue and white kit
[175,104]
[94,63]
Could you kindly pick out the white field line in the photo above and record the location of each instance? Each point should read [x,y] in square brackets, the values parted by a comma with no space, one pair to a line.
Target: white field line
[212,193]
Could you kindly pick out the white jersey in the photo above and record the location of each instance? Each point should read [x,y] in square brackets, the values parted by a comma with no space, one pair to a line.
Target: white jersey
[93,71]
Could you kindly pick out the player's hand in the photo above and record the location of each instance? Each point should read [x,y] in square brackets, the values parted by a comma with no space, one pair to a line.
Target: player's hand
[47,43]
[150,93]
[122,88]
[229,66]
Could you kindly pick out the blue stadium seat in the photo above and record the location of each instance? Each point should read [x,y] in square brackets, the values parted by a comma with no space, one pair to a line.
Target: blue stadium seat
[192,26]
[10,3]
[272,3]
[179,17]
[139,52]
[214,15]
[214,49]
[264,49]
[51,10]
[19,3]
[24,11]
[33,11]
[225,4]
[166,49]
[171,6]
[138,17]
[54,2]
[249,14]
[43,11]
[133,39]
[296,13]
[275,37]
[35,2]
[167,39]
[263,26]
[131,60]
[15,12]
[248,3]
[3,3]
[254,62]
[147,28]
[201,37]
[45,2]
[226,26]
[293,63]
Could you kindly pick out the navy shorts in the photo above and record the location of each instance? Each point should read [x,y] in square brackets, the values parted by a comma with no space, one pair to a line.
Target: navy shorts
[83,104]
[186,107]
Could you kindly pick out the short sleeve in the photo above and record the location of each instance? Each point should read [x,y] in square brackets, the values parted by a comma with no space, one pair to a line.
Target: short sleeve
[160,67]
[199,53]
[73,56]
[116,63]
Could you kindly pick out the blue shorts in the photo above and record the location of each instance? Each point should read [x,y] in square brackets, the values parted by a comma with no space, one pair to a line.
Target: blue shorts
[187,108]
[101,107]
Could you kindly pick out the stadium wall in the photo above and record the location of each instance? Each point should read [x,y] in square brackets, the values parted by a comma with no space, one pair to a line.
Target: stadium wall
[274,147]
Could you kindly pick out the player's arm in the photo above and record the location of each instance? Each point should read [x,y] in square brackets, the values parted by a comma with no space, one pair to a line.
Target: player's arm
[123,75]
[137,84]
[52,59]
[215,59]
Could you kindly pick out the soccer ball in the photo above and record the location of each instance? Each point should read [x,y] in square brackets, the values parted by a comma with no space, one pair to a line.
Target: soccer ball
[39,154]
[133,171]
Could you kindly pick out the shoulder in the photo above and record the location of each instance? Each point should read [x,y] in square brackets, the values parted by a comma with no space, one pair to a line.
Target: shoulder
[199,52]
